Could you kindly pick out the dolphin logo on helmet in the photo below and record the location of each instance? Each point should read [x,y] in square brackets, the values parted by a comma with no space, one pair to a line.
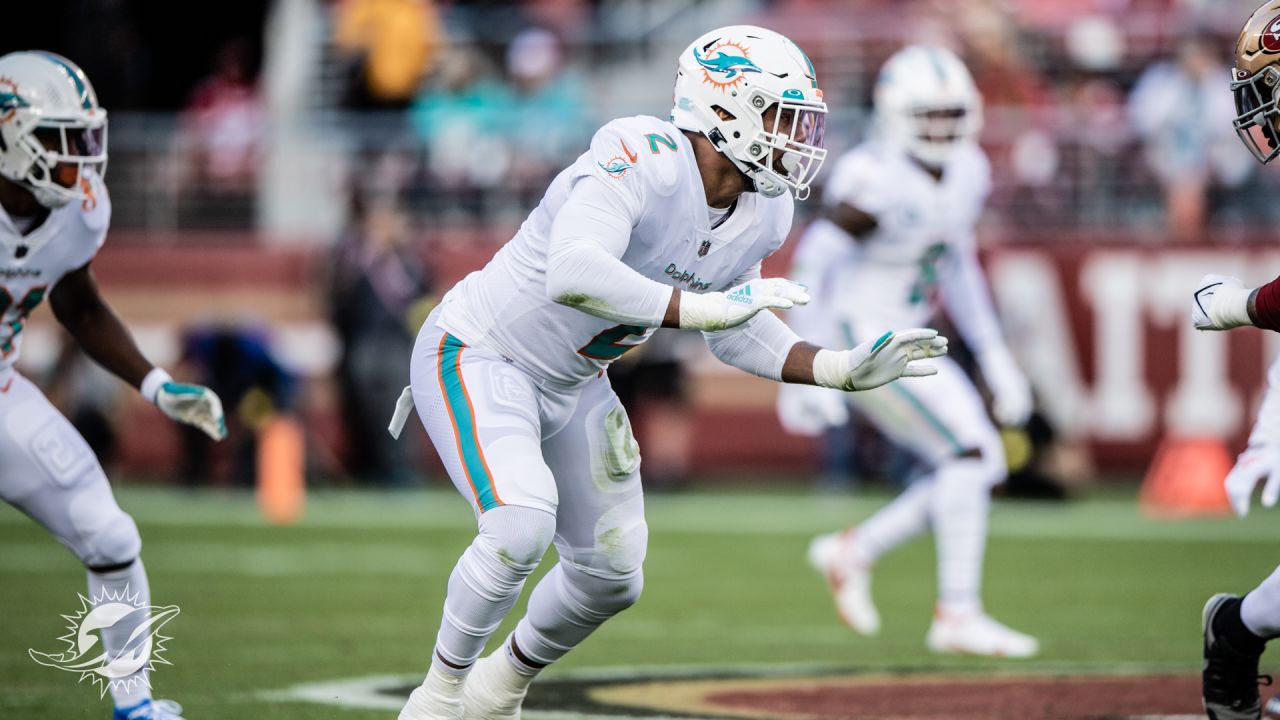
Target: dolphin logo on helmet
[730,66]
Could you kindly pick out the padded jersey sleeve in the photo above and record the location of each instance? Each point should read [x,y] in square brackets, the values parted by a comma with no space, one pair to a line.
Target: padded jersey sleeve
[592,230]
[94,218]
[858,179]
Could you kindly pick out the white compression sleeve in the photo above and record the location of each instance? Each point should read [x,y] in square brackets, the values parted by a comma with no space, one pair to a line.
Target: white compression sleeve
[968,299]
[589,235]
[758,346]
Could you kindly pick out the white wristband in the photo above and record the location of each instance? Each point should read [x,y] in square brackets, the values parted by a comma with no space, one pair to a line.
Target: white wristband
[701,311]
[830,369]
[1230,306]
[152,383]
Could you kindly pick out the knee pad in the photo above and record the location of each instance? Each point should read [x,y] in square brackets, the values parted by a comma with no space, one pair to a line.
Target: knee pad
[112,543]
[515,537]
[603,595]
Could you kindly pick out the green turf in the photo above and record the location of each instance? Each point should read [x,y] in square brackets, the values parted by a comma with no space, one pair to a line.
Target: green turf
[356,590]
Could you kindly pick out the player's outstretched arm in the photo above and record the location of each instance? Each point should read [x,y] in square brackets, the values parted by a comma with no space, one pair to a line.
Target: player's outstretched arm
[869,365]
[1221,302]
[79,306]
[589,236]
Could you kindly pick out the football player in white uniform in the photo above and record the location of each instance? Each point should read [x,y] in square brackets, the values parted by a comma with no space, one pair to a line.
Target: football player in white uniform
[54,213]
[1236,630]
[897,231]
[660,223]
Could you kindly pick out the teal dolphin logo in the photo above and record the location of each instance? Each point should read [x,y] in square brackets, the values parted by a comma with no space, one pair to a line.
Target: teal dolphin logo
[616,167]
[729,65]
[10,100]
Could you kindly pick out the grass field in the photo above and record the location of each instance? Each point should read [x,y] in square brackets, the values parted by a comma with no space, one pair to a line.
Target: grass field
[356,589]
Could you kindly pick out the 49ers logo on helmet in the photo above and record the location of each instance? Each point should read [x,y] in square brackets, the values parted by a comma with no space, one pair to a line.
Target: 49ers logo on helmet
[1271,36]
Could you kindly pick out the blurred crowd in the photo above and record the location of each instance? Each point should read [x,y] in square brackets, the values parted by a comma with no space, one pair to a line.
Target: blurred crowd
[1103,118]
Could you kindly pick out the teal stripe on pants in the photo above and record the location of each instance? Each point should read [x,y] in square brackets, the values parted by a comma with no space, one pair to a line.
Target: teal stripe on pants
[464,423]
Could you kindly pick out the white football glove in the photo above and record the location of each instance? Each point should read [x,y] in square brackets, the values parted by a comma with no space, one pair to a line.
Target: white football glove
[881,361]
[1220,302]
[809,410]
[194,405]
[1254,464]
[1011,400]
[722,310]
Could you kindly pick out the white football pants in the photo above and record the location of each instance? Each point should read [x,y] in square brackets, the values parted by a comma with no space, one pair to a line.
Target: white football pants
[48,471]
[520,448]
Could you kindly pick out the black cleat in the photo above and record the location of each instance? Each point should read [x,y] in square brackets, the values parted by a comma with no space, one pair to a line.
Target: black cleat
[1230,677]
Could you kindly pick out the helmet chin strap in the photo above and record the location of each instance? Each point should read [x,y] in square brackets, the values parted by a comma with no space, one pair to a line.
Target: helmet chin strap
[757,180]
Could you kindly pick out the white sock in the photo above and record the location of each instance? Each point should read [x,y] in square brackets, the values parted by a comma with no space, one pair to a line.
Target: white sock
[124,584]
[1260,610]
[566,606]
[899,521]
[961,501]
[487,580]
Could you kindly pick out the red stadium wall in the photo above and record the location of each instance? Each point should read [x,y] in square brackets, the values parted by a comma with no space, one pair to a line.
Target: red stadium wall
[1101,327]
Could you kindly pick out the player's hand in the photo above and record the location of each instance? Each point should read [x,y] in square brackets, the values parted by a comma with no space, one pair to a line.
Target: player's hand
[194,405]
[1011,400]
[809,410]
[1256,463]
[1220,302]
[872,364]
[722,310]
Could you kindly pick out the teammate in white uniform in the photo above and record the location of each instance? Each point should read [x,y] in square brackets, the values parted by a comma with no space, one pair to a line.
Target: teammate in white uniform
[54,213]
[898,232]
[1235,629]
[658,224]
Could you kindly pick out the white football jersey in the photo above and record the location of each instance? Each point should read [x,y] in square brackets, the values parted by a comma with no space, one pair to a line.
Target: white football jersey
[888,279]
[31,264]
[504,306]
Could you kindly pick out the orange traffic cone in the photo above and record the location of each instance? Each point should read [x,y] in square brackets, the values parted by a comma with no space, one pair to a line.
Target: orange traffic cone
[1185,479]
[282,488]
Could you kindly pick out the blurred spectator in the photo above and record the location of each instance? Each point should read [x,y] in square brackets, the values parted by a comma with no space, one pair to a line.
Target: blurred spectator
[377,280]
[547,121]
[1184,116]
[390,46]
[223,125]
[462,119]
[236,363]
[87,395]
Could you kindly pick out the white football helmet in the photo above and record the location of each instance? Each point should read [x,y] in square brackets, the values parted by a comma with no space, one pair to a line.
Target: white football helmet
[927,104]
[746,71]
[49,116]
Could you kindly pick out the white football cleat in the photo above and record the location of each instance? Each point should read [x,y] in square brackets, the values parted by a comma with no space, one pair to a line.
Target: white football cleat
[850,582]
[494,689]
[978,634]
[439,697]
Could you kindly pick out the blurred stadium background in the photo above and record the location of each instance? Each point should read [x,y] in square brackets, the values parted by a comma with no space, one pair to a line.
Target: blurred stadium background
[295,182]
